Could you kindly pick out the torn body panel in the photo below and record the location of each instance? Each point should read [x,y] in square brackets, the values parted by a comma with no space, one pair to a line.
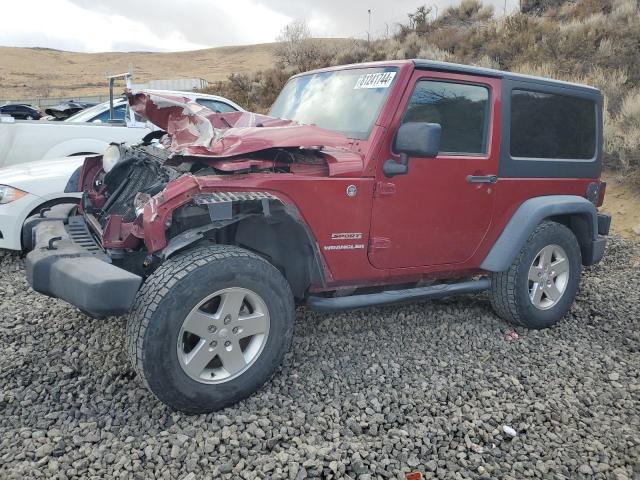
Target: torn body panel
[195,130]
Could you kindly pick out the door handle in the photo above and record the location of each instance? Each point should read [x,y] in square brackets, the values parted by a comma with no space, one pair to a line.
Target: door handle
[482,178]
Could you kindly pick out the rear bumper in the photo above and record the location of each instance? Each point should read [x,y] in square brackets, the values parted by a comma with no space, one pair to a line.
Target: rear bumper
[594,251]
[604,223]
[66,263]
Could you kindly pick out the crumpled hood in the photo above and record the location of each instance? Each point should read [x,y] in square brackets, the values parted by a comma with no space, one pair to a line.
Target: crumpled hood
[195,130]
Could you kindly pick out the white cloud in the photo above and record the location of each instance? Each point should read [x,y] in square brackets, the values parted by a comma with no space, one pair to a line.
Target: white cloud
[61,24]
[91,27]
[256,23]
[173,25]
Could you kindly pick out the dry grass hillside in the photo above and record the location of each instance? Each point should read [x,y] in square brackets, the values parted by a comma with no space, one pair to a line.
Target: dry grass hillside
[44,72]
[32,72]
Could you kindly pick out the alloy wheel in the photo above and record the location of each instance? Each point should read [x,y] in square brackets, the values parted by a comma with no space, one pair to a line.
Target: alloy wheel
[223,335]
[548,277]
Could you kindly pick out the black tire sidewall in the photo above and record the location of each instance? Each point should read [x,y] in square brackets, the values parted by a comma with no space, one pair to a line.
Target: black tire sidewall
[557,234]
[166,378]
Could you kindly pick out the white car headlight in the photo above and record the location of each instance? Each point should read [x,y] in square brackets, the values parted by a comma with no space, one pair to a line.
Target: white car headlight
[9,194]
[111,157]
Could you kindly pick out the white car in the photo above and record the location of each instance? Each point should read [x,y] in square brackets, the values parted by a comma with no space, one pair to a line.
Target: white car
[28,188]
[87,132]
[100,113]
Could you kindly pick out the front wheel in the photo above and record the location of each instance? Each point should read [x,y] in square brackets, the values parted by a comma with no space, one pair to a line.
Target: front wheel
[542,282]
[209,327]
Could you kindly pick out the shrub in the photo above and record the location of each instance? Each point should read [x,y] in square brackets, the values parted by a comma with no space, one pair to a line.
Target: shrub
[298,50]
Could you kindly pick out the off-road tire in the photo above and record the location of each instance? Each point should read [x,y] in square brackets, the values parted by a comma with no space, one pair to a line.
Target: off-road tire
[171,292]
[509,293]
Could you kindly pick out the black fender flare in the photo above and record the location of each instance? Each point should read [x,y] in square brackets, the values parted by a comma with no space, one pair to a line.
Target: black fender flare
[584,224]
[265,225]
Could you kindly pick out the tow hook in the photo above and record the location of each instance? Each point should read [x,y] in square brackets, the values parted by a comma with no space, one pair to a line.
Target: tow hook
[51,245]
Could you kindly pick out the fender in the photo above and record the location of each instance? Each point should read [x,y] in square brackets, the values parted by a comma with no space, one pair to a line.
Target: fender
[528,217]
[75,146]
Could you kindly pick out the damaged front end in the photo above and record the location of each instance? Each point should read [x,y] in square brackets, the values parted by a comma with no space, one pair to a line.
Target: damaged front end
[149,193]
[200,180]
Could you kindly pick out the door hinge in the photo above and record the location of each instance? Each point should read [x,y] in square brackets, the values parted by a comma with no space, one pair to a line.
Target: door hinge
[379,242]
[383,189]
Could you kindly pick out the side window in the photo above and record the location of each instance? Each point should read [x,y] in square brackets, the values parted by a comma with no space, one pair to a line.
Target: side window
[462,111]
[546,125]
[216,106]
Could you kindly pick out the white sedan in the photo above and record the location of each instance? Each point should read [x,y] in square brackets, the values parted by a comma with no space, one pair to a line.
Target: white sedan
[100,113]
[27,188]
[87,132]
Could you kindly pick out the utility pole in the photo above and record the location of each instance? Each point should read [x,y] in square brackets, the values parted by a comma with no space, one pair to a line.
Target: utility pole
[369,31]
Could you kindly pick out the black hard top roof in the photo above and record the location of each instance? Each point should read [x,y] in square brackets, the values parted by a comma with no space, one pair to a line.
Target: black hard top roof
[489,72]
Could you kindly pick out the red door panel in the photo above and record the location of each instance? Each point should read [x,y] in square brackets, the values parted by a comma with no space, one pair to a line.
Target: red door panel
[433,215]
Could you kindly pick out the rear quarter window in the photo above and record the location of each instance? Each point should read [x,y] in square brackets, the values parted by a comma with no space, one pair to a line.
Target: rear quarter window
[552,126]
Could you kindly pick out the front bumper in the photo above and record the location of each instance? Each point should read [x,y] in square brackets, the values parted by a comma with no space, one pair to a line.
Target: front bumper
[66,263]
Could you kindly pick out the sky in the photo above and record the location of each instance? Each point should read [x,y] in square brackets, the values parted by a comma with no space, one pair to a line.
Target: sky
[176,25]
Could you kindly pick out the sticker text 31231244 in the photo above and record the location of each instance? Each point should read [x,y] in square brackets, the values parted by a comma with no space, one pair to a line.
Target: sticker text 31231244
[375,80]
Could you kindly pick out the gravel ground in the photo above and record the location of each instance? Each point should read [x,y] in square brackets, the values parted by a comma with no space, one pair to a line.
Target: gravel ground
[445,388]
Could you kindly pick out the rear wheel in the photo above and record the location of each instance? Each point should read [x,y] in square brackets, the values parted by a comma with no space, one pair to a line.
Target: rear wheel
[209,327]
[542,282]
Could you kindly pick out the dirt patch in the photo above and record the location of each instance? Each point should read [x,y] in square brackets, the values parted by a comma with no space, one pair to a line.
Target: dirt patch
[622,201]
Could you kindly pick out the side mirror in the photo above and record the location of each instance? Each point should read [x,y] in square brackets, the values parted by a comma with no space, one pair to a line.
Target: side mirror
[416,139]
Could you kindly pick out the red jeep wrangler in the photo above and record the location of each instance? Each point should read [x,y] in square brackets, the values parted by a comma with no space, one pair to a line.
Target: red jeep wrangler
[365,185]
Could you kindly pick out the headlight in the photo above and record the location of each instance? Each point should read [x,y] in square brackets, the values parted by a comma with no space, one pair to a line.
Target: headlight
[10,194]
[111,157]
[140,200]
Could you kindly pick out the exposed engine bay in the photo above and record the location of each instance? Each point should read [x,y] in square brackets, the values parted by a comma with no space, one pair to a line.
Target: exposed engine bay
[144,170]
[140,174]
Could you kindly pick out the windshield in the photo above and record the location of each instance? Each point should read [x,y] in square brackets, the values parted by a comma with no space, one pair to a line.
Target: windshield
[346,101]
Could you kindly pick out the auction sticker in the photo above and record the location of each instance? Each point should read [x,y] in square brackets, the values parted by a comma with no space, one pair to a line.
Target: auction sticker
[375,80]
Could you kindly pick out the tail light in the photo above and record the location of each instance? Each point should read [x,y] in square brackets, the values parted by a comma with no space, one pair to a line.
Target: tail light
[595,193]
